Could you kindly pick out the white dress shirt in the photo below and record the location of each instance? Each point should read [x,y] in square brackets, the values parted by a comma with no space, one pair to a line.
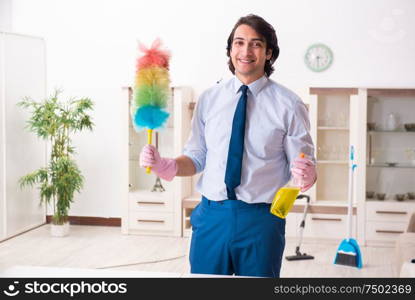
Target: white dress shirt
[277,131]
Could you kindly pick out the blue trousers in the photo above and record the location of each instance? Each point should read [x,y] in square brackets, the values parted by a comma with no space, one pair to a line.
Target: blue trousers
[234,237]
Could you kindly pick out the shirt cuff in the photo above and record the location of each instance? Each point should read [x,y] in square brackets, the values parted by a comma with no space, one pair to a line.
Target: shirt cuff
[196,162]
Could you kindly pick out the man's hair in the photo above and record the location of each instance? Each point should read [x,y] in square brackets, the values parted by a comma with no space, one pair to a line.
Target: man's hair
[266,31]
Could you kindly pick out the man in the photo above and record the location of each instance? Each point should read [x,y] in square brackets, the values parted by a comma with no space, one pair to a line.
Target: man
[247,134]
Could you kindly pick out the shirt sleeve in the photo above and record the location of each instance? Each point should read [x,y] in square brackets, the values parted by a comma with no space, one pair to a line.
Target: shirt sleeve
[298,138]
[195,147]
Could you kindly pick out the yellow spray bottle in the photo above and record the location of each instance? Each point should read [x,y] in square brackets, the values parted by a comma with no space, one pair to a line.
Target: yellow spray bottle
[284,199]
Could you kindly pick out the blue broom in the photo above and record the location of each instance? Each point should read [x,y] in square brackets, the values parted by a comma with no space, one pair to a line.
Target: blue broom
[348,253]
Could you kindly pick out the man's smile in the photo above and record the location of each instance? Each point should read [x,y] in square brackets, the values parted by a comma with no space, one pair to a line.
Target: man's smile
[246,61]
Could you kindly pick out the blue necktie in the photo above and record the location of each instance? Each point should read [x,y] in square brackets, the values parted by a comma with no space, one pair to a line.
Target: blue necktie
[236,146]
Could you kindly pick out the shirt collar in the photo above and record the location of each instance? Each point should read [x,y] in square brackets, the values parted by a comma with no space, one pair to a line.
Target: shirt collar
[255,87]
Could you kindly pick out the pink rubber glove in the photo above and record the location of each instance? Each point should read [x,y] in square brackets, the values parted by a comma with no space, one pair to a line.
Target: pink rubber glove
[304,172]
[165,168]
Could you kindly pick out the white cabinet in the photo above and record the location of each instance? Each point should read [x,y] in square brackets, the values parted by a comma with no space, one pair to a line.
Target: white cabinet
[334,127]
[386,220]
[22,73]
[389,191]
[157,212]
[319,226]
[331,113]
[384,154]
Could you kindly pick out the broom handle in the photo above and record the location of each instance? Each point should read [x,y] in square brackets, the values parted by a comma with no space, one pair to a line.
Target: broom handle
[149,138]
[350,194]
[349,209]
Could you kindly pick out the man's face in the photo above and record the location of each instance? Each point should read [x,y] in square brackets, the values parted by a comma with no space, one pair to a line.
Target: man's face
[248,54]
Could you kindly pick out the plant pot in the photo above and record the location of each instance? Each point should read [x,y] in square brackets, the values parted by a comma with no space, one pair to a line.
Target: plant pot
[59,230]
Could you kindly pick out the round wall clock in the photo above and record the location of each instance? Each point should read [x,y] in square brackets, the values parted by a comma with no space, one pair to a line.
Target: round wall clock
[318,57]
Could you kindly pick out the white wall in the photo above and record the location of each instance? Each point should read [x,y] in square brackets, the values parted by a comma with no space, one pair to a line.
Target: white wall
[5,15]
[91,49]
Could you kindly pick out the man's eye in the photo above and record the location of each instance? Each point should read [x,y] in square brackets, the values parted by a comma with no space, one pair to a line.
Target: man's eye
[257,45]
[238,43]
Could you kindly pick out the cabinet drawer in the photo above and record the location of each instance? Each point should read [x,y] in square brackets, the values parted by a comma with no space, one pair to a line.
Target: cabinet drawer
[327,226]
[149,221]
[150,203]
[389,212]
[384,231]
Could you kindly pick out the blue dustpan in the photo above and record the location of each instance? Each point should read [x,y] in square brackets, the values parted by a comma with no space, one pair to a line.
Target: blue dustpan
[348,253]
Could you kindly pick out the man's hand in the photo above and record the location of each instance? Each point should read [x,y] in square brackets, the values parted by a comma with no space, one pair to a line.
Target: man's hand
[165,168]
[304,173]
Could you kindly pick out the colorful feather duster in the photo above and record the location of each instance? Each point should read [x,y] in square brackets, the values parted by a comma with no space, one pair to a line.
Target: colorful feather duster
[151,90]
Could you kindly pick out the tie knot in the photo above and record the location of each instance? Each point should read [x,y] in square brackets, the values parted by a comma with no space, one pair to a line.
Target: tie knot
[244,89]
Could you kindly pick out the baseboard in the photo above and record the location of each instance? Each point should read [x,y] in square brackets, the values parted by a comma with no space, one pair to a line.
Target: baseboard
[97,221]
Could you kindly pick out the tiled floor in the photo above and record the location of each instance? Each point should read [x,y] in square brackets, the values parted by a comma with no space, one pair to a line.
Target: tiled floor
[95,247]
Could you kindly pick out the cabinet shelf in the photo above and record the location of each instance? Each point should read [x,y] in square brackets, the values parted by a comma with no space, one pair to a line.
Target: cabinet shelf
[332,128]
[321,207]
[141,193]
[325,203]
[334,162]
[390,200]
[389,131]
[330,202]
[389,166]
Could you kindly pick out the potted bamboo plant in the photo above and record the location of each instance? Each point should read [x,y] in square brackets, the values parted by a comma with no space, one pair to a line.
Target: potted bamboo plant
[55,122]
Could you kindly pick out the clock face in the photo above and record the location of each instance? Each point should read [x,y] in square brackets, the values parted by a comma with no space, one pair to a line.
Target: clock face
[318,57]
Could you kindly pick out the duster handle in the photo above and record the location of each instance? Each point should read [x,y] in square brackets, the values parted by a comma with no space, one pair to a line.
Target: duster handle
[149,138]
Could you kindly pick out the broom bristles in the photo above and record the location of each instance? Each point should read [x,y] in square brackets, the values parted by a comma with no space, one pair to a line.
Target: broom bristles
[346,259]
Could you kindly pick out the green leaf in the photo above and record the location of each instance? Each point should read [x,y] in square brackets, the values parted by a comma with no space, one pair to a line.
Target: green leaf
[54,120]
